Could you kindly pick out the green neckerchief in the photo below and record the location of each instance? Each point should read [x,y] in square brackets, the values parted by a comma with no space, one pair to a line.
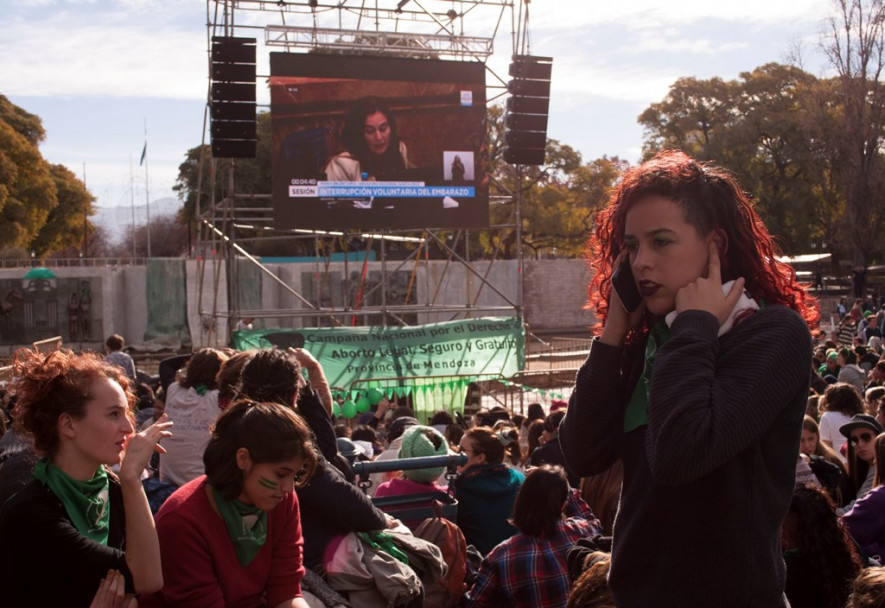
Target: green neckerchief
[201,389]
[246,525]
[384,542]
[85,502]
[637,408]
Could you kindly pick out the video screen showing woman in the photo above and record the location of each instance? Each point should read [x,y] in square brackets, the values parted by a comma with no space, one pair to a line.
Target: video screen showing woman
[377,143]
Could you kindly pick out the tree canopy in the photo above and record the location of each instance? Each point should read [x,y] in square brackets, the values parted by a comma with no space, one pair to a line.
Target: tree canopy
[784,134]
[42,206]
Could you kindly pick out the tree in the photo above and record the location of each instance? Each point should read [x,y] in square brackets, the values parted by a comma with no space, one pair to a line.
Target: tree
[768,149]
[22,122]
[854,46]
[98,245]
[67,224]
[43,207]
[171,244]
[754,126]
[691,117]
[27,190]
[558,199]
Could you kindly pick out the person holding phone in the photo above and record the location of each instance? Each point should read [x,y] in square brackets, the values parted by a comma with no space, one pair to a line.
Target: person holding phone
[700,391]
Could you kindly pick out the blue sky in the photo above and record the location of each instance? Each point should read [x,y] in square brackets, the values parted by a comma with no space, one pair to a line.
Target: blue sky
[97,71]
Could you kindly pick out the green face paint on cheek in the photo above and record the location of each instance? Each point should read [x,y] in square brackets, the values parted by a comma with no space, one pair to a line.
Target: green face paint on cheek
[267,483]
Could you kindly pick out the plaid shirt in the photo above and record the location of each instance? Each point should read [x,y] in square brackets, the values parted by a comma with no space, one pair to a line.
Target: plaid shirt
[531,571]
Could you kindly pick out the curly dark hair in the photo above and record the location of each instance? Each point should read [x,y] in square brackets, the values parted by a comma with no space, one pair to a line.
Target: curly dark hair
[813,527]
[272,375]
[711,200]
[842,397]
[57,383]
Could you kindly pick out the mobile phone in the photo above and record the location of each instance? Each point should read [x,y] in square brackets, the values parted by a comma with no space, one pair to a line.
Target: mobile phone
[625,286]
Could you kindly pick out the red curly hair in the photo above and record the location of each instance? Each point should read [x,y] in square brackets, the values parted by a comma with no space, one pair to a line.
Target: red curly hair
[711,200]
[58,383]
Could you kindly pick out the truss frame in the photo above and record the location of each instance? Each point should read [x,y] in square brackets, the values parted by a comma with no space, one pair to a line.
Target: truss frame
[413,28]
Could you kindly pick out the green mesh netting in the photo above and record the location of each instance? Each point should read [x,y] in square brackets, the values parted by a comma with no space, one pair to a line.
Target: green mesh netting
[249,278]
[167,301]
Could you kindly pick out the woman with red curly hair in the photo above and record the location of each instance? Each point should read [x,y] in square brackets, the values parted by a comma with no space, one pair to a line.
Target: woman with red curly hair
[699,388]
[77,522]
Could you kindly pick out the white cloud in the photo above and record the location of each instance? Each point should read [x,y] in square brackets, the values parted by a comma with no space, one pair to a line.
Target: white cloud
[678,44]
[131,48]
[682,14]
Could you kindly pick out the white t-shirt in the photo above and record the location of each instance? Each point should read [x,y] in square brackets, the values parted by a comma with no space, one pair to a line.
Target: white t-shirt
[829,430]
[192,415]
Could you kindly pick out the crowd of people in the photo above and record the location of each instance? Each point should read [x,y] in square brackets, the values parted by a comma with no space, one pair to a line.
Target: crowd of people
[712,453]
[268,491]
[253,490]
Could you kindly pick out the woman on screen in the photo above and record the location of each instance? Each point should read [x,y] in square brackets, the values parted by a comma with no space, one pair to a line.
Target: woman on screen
[372,147]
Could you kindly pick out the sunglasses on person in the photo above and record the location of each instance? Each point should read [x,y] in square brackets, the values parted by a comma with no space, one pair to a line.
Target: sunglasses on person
[862,438]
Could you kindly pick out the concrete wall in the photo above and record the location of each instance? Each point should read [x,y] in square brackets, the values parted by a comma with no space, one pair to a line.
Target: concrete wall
[554,294]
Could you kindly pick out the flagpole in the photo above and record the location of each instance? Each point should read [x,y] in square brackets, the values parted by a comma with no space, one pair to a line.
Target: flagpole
[147,195]
[132,199]
[85,219]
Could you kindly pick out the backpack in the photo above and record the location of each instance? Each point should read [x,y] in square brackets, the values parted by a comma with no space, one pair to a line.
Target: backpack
[448,537]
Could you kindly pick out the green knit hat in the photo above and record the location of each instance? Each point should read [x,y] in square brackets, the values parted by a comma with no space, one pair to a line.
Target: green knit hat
[419,440]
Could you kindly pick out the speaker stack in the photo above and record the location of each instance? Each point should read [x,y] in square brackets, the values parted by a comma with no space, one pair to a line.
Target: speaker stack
[525,121]
[233,102]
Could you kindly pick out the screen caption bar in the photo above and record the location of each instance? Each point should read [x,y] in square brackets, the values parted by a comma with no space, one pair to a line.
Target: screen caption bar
[377,189]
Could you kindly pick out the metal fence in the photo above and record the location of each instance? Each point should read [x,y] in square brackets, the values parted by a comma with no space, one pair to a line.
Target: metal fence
[71,262]
[555,353]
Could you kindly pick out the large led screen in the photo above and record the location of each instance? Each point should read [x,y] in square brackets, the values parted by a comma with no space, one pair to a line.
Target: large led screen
[373,143]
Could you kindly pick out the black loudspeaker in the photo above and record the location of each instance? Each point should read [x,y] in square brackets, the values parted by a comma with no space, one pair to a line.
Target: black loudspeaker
[232,104]
[525,121]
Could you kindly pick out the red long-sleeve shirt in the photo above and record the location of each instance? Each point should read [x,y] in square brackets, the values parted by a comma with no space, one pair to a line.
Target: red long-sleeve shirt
[200,567]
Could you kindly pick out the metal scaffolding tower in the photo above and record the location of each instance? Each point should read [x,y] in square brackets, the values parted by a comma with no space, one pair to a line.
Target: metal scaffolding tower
[461,30]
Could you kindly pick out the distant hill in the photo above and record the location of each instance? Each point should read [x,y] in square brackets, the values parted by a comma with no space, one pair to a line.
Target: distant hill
[115,220]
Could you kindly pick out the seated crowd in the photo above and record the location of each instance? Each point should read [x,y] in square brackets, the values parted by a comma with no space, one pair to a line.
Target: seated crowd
[231,483]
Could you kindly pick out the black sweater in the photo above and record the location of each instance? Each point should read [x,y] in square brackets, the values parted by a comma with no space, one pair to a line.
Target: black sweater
[708,481]
[330,505]
[45,561]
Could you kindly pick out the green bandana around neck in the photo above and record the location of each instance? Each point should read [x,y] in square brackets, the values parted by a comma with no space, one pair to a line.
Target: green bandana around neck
[201,389]
[637,408]
[246,525]
[86,502]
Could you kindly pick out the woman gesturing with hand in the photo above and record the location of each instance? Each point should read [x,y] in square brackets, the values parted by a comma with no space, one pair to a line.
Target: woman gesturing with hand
[700,391]
[76,520]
